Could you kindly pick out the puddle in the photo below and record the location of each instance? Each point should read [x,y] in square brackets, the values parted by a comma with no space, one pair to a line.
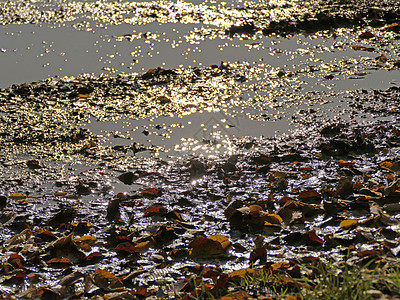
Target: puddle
[161,123]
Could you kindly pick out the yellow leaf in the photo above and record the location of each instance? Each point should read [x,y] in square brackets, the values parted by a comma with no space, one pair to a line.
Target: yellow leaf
[84,246]
[60,193]
[223,240]
[358,47]
[255,207]
[241,295]
[86,239]
[280,265]
[348,223]
[344,163]
[387,165]
[83,95]
[273,219]
[240,274]
[17,196]
[144,246]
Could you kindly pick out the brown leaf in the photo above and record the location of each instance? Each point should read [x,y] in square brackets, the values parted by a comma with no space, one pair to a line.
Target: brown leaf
[127,247]
[345,187]
[366,35]
[33,164]
[212,246]
[310,195]
[92,258]
[238,275]
[60,262]
[106,280]
[240,295]
[128,177]
[155,210]
[45,235]
[151,193]
[262,159]
[313,239]
[164,235]
[258,253]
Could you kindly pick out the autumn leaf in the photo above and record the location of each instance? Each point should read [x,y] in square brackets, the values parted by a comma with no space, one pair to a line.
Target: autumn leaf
[381,59]
[258,253]
[20,237]
[212,246]
[106,280]
[366,35]
[345,224]
[240,295]
[145,246]
[45,235]
[126,247]
[33,164]
[128,177]
[92,258]
[238,275]
[310,195]
[392,27]
[387,165]
[17,196]
[313,239]
[86,239]
[60,262]
[151,193]
[262,159]
[155,210]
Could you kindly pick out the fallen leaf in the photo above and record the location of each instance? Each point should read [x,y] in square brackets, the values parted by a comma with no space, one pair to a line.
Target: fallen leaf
[17,196]
[19,238]
[151,193]
[348,223]
[106,280]
[310,195]
[238,275]
[381,58]
[128,177]
[92,258]
[60,262]
[33,164]
[126,247]
[392,27]
[212,246]
[145,246]
[366,35]
[240,295]
[155,210]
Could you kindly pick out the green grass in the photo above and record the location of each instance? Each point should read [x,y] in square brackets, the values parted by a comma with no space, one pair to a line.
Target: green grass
[339,282]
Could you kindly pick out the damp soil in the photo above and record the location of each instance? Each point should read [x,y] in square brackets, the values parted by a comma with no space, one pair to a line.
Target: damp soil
[271,142]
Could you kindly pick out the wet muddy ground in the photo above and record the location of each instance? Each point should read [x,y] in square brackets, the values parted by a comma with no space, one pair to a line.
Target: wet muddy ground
[151,147]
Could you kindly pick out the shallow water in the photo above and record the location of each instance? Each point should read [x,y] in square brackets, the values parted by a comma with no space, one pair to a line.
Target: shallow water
[32,52]
[98,104]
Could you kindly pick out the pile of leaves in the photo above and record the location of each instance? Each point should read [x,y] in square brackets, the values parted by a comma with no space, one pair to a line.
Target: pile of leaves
[198,227]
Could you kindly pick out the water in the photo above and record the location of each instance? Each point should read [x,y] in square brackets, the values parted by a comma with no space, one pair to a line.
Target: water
[33,52]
